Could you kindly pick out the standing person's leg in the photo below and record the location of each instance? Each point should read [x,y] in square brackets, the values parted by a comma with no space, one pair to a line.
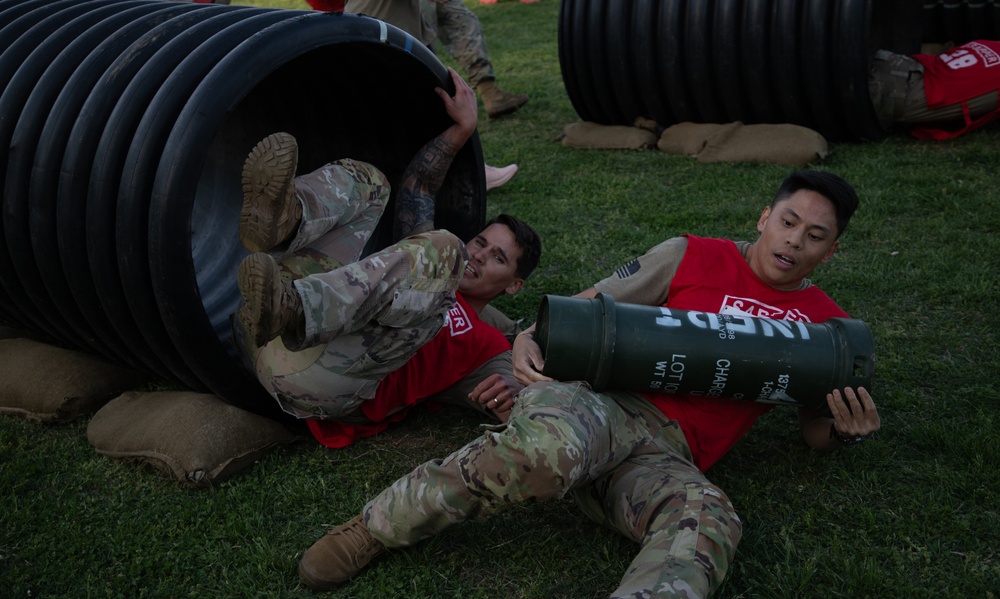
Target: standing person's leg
[462,35]
[559,437]
[687,527]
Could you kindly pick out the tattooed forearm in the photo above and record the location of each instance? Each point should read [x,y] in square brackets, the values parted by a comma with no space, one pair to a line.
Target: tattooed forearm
[412,210]
[422,179]
[431,163]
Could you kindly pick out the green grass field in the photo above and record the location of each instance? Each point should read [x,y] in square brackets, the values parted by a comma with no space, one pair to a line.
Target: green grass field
[912,514]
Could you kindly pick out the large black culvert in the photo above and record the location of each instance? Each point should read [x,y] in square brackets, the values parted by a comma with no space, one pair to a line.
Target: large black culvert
[717,61]
[36,152]
[124,128]
[961,21]
[54,211]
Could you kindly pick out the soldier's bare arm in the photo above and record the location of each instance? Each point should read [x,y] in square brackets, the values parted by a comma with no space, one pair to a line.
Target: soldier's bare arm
[425,174]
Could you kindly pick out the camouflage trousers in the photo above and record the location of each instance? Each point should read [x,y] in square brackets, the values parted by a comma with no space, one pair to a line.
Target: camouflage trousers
[364,317]
[896,86]
[459,29]
[626,465]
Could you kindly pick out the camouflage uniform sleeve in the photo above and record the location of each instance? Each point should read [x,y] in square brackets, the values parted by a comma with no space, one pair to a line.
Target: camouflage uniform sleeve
[458,394]
[500,321]
[646,279]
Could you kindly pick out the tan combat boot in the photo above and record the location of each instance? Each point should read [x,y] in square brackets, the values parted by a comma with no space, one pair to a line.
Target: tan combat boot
[498,102]
[339,555]
[271,307]
[270,213]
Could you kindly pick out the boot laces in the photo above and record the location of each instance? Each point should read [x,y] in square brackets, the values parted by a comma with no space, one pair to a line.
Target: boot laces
[362,546]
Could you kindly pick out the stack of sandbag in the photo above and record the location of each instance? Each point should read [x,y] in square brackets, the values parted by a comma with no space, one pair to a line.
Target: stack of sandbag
[785,144]
[195,438]
[50,384]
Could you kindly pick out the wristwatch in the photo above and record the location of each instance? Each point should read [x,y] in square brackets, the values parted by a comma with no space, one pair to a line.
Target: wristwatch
[846,440]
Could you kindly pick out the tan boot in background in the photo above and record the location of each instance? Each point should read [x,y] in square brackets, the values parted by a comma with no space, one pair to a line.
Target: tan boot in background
[497,101]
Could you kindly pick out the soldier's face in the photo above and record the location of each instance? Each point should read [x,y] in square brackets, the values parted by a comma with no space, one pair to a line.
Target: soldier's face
[492,267]
[796,235]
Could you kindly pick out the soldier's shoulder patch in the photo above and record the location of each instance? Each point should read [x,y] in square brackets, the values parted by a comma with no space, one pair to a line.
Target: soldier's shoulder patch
[458,321]
[628,270]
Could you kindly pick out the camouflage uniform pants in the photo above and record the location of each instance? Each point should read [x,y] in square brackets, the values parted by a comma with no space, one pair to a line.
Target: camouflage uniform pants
[626,465]
[460,31]
[896,86]
[364,318]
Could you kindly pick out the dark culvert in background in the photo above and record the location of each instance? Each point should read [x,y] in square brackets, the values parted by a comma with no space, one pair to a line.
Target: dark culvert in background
[960,21]
[758,61]
[124,125]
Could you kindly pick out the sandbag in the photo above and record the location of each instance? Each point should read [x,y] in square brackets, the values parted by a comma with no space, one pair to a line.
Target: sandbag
[45,383]
[689,139]
[607,137]
[196,438]
[786,144]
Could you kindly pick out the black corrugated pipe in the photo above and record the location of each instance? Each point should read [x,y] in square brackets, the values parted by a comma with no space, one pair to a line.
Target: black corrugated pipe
[718,61]
[124,125]
[961,21]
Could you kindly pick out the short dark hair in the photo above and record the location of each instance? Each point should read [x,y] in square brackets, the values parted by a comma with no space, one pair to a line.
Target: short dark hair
[527,239]
[832,187]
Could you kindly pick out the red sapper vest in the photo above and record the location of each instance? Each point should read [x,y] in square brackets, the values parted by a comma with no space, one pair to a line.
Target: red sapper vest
[957,76]
[714,277]
[464,344]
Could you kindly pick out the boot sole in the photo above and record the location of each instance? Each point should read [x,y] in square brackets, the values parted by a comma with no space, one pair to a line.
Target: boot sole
[251,278]
[268,198]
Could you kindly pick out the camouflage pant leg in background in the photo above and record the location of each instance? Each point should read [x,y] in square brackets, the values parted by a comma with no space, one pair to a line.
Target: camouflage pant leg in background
[896,85]
[363,320]
[627,466]
[459,29]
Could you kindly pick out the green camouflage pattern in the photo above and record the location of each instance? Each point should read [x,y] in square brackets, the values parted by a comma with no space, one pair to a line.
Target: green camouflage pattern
[893,86]
[624,463]
[363,321]
[342,203]
[364,318]
[460,31]
[896,86]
